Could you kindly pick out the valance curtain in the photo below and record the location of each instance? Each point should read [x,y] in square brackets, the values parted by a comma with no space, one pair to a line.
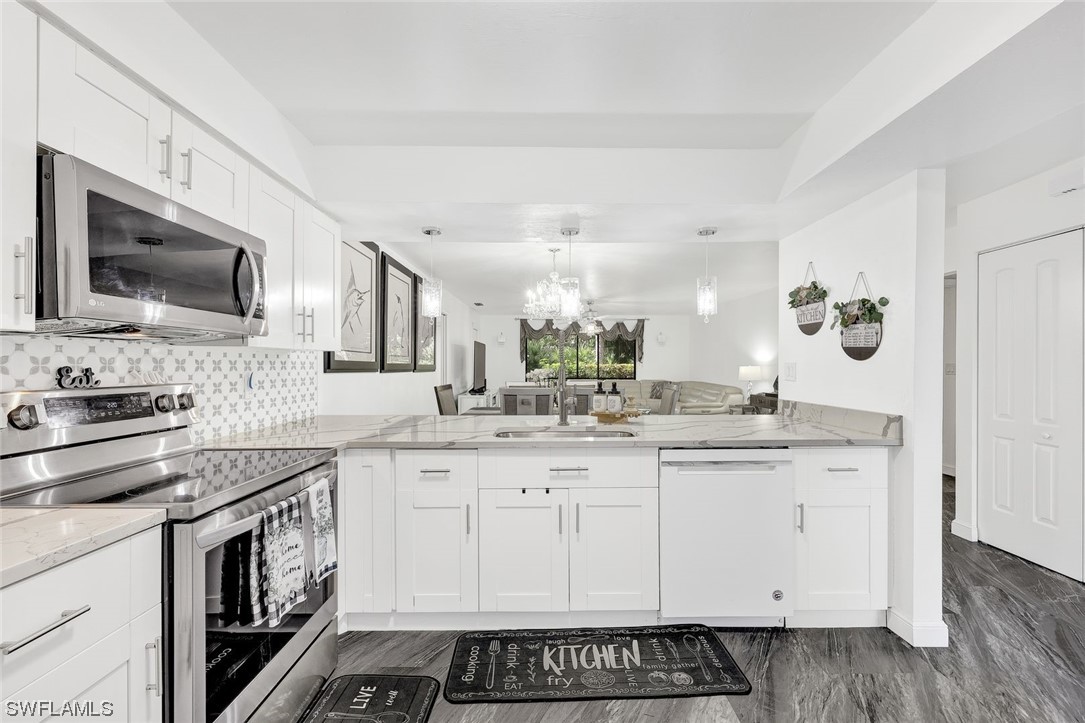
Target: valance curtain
[618,331]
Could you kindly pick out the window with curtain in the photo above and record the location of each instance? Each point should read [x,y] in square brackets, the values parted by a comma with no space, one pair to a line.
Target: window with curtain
[586,357]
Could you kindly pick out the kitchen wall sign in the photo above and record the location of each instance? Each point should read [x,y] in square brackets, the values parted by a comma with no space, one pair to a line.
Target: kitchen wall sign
[86,380]
[860,321]
[808,301]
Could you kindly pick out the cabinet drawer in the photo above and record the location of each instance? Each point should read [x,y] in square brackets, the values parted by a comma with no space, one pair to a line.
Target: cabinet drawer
[423,470]
[568,468]
[99,581]
[846,468]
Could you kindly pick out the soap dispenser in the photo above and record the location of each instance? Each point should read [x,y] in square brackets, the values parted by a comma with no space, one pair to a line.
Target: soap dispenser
[614,398]
[599,399]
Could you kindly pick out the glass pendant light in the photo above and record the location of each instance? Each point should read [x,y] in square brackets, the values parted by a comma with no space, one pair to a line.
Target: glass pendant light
[570,307]
[591,321]
[431,287]
[706,285]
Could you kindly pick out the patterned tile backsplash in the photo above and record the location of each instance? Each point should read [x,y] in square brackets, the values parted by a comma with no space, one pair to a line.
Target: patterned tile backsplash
[285,382]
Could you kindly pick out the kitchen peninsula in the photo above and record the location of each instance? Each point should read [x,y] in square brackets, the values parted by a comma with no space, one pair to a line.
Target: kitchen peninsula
[758,520]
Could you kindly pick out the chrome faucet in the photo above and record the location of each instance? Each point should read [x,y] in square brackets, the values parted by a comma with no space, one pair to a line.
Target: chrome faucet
[563,403]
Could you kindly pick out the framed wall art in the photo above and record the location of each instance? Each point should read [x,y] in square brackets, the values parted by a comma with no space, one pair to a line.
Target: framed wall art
[425,347]
[360,281]
[397,316]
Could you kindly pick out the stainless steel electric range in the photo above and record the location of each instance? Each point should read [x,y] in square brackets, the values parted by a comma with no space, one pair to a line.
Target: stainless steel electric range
[133,447]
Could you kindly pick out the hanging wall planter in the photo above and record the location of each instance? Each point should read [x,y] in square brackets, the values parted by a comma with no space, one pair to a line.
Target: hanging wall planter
[860,321]
[808,301]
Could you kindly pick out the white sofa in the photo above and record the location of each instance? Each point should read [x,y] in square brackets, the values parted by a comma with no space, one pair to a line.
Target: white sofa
[693,397]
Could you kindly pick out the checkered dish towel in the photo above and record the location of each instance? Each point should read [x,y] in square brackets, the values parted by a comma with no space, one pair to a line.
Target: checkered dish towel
[283,559]
[323,519]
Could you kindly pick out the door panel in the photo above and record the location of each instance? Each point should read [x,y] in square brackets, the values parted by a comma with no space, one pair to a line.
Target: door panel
[208,175]
[524,550]
[319,259]
[840,556]
[1030,401]
[614,549]
[275,217]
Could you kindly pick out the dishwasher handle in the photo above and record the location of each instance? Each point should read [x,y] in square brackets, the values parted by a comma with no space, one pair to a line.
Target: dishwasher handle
[708,468]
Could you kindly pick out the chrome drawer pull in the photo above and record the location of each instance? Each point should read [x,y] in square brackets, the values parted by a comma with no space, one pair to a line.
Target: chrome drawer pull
[568,469]
[802,517]
[578,518]
[434,471]
[559,519]
[156,686]
[29,273]
[65,617]
[167,157]
[468,519]
[842,469]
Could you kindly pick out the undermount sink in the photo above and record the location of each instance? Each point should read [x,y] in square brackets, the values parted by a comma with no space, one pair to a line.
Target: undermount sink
[566,433]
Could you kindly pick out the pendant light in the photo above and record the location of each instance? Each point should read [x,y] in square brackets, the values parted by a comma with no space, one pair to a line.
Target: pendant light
[591,321]
[706,285]
[431,287]
[545,301]
[570,307]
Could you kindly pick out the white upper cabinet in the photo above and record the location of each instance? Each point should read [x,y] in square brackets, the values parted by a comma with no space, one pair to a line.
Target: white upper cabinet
[316,269]
[208,175]
[275,216]
[89,109]
[18,110]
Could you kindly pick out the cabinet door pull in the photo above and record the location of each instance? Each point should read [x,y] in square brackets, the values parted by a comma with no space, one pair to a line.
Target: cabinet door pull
[578,518]
[802,517]
[468,519]
[568,469]
[434,471]
[302,332]
[27,294]
[156,686]
[66,617]
[312,325]
[167,157]
[559,519]
[186,181]
[842,469]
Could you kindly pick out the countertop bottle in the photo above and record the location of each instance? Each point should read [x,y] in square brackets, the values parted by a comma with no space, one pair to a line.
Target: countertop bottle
[614,398]
[599,399]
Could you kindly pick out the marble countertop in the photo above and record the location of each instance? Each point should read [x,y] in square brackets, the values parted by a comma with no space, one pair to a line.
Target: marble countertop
[33,540]
[798,425]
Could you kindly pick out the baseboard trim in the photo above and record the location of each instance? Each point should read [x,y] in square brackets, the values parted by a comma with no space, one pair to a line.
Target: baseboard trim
[497,620]
[968,532]
[837,619]
[949,469]
[919,635]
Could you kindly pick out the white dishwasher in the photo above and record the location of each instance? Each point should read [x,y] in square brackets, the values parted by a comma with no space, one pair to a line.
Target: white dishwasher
[726,533]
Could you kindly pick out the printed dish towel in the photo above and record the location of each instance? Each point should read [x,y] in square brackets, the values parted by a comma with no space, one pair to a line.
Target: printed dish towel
[284,558]
[320,511]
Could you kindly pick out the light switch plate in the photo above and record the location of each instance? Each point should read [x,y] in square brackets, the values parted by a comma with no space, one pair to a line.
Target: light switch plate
[790,372]
[951,370]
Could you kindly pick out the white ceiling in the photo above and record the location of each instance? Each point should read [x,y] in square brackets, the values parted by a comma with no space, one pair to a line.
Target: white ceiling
[584,74]
[626,280]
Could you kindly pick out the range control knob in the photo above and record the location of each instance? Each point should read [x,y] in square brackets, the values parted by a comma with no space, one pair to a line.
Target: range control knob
[185,401]
[26,416]
[165,403]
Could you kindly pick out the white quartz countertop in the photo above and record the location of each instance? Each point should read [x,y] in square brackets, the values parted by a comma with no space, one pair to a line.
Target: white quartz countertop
[823,428]
[32,540]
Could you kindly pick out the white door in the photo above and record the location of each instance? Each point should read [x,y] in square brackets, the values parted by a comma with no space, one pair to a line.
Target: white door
[18,169]
[317,257]
[146,667]
[89,109]
[436,534]
[614,549]
[1030,401]
[841,549]
[208,175]
[524,550]
[275,217]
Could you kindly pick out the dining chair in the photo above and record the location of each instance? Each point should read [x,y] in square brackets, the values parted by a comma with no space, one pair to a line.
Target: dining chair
[446,399]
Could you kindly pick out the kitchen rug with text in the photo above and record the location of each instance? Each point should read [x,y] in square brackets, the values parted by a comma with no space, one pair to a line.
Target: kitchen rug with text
[514,666]
[375,698]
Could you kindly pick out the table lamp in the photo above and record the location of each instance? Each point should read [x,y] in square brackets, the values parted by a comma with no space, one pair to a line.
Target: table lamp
[749,374]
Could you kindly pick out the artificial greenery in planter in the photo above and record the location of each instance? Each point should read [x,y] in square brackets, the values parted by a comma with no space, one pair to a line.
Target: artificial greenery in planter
[805,295]
[858,311]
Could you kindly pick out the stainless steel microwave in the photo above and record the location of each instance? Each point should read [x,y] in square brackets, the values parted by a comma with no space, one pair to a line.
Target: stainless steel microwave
[119,261]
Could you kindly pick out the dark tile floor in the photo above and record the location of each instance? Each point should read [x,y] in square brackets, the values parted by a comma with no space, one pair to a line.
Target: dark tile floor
[1017,653]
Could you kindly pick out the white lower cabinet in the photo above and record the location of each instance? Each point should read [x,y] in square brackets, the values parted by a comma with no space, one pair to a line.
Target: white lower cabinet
[436,535]
[842,529]
[105,660]
[614,549]
[524,551]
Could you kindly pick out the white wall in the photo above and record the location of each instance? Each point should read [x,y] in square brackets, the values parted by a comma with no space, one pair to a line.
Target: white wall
[949,378]
[154,42]
[896,235]
[1018,212]
[744,332]
[669,360]
[404,392]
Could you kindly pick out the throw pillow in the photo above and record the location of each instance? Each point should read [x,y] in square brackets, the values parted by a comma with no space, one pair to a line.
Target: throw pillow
[657,389]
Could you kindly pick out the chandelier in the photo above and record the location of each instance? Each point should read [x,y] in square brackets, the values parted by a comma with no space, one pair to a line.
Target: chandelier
[431,287]
[706,285]
[545,301]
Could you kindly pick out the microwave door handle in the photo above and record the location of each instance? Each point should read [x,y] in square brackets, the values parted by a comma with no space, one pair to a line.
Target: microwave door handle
[250,257]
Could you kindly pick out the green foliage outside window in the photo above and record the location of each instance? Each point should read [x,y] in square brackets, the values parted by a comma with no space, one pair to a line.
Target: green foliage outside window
[586,357]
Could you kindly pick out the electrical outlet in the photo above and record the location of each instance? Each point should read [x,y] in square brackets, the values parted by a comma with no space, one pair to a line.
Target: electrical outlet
[951,370]
[791,373]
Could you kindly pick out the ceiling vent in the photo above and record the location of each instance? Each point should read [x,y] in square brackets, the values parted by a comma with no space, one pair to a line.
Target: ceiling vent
[1067,182]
